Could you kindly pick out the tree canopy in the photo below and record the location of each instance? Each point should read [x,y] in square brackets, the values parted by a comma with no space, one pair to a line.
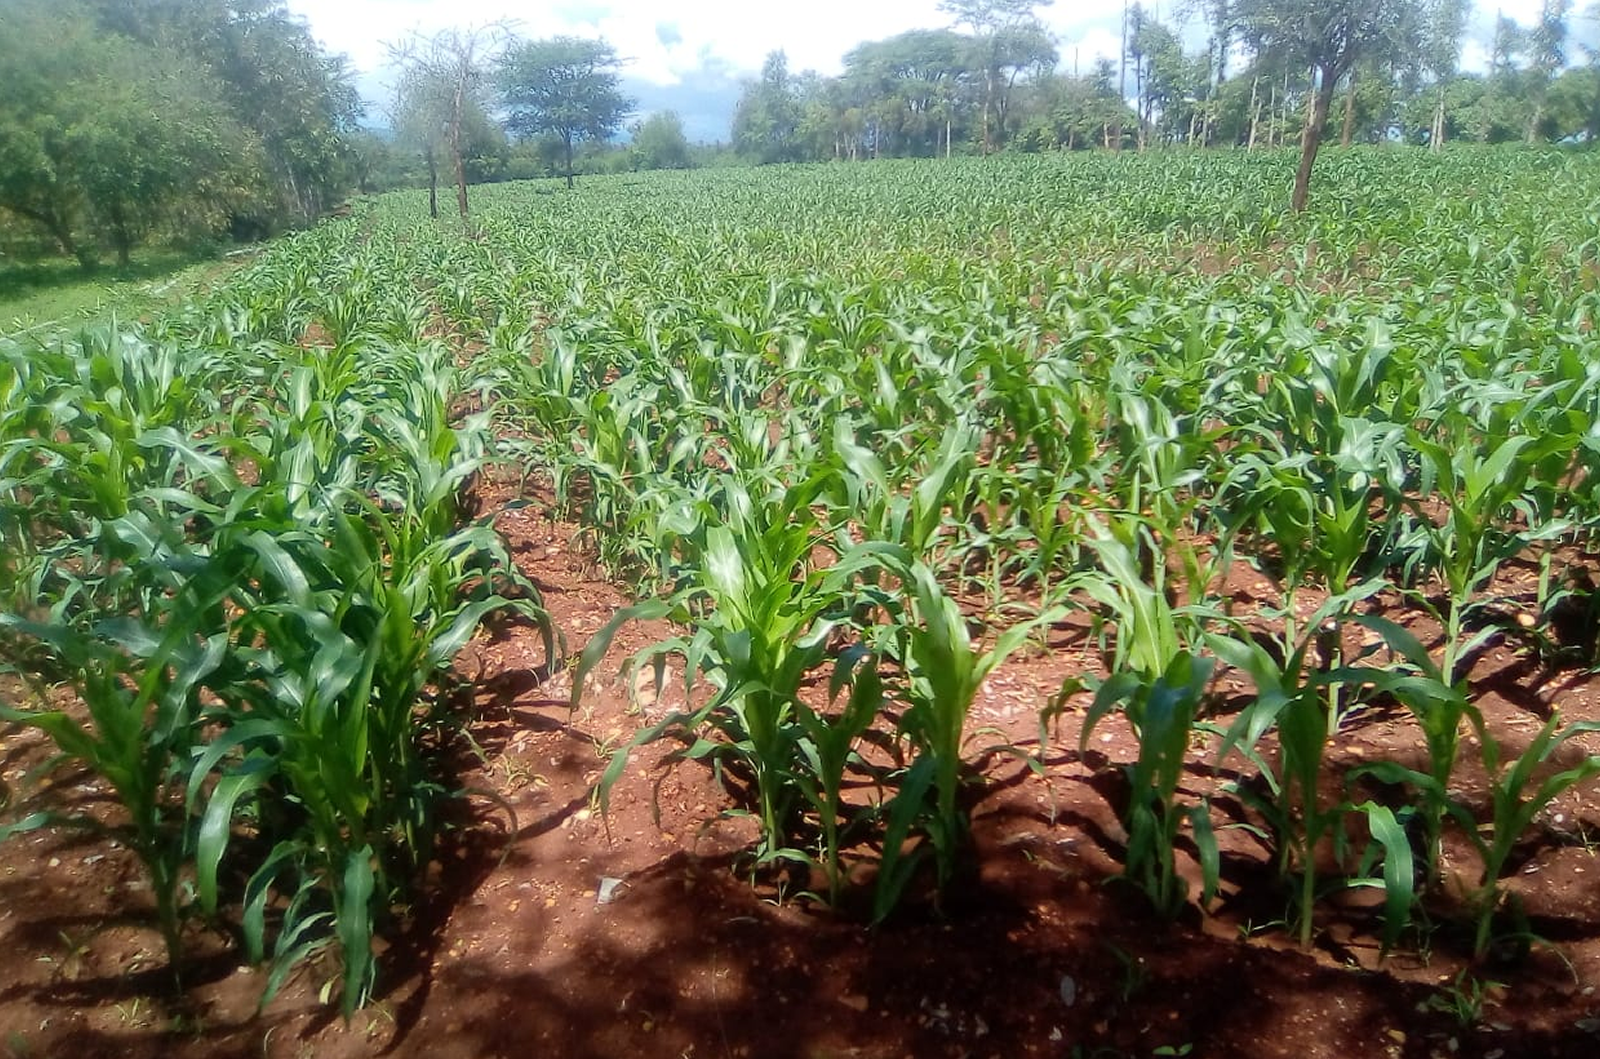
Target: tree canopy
[174,119]
[299,102]
[767,117]
[659,142]
[1327,37]
[126,121]
[566,87]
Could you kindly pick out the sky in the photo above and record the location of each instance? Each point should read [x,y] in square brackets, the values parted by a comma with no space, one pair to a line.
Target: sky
[692,55]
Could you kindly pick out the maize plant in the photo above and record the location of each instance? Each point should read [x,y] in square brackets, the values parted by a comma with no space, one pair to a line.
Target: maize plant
[1162,713]
[255,605]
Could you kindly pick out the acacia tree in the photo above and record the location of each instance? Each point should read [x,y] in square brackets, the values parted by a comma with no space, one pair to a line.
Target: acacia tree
[1326,37]
[565,87]
[1168,83]
[1007,39]
[916,75]
[444,80]
[424,107]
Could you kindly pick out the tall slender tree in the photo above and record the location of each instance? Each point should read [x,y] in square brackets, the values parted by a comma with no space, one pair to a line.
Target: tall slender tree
[423,115]
[1591,127]
[1444,22]
[766,121]
[1327,38]
[1547,53]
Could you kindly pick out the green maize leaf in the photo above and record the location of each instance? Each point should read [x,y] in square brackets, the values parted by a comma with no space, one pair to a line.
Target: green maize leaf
[258,891]
[211,841]
[281,566]
[1205,839]
[302,938]
[600,643]
[354,924]
[1482,475]
[239,734]
[896,866]
[196,460]
[1399,870]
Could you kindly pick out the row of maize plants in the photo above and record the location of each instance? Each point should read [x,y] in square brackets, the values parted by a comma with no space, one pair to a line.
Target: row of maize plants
[236,570]
[869,434]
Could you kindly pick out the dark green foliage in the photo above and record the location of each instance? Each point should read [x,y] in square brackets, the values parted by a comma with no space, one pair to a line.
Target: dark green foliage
[126,122]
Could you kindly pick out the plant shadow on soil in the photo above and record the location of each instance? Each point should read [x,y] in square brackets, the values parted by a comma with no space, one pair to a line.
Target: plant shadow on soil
[514,953]
[1032,955]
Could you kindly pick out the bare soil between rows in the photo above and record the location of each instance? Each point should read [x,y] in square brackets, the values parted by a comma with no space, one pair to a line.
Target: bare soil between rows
[569,933]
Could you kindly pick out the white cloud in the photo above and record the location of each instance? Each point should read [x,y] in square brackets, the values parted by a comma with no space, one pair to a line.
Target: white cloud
[664,42]
[679,44]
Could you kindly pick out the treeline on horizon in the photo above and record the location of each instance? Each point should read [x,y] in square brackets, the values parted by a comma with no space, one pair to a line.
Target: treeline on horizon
[189,122]
[994,81]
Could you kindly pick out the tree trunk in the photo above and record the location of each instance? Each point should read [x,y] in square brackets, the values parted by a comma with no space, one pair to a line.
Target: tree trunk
[1310,141]
[61,232]
[294,192]
[566,141]
[1436,135]
[1347,135]
[988,98]
[1122,80]
[87,259]
[461,181]
[1591,128]
[1002,112]
[1533,122]
[947,136]
[433,184]
[124,251]
[455,148]
[1311,95]
[1143,109]
[121,238]
[1255,112]
[1288,111]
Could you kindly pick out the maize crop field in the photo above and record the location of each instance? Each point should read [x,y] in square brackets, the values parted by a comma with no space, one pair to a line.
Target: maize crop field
[1059,606]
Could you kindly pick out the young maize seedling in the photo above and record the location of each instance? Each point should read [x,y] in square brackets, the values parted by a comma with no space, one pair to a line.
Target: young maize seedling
[1162,713]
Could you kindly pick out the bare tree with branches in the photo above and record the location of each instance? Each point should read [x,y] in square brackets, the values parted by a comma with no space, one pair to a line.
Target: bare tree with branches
[443,78]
